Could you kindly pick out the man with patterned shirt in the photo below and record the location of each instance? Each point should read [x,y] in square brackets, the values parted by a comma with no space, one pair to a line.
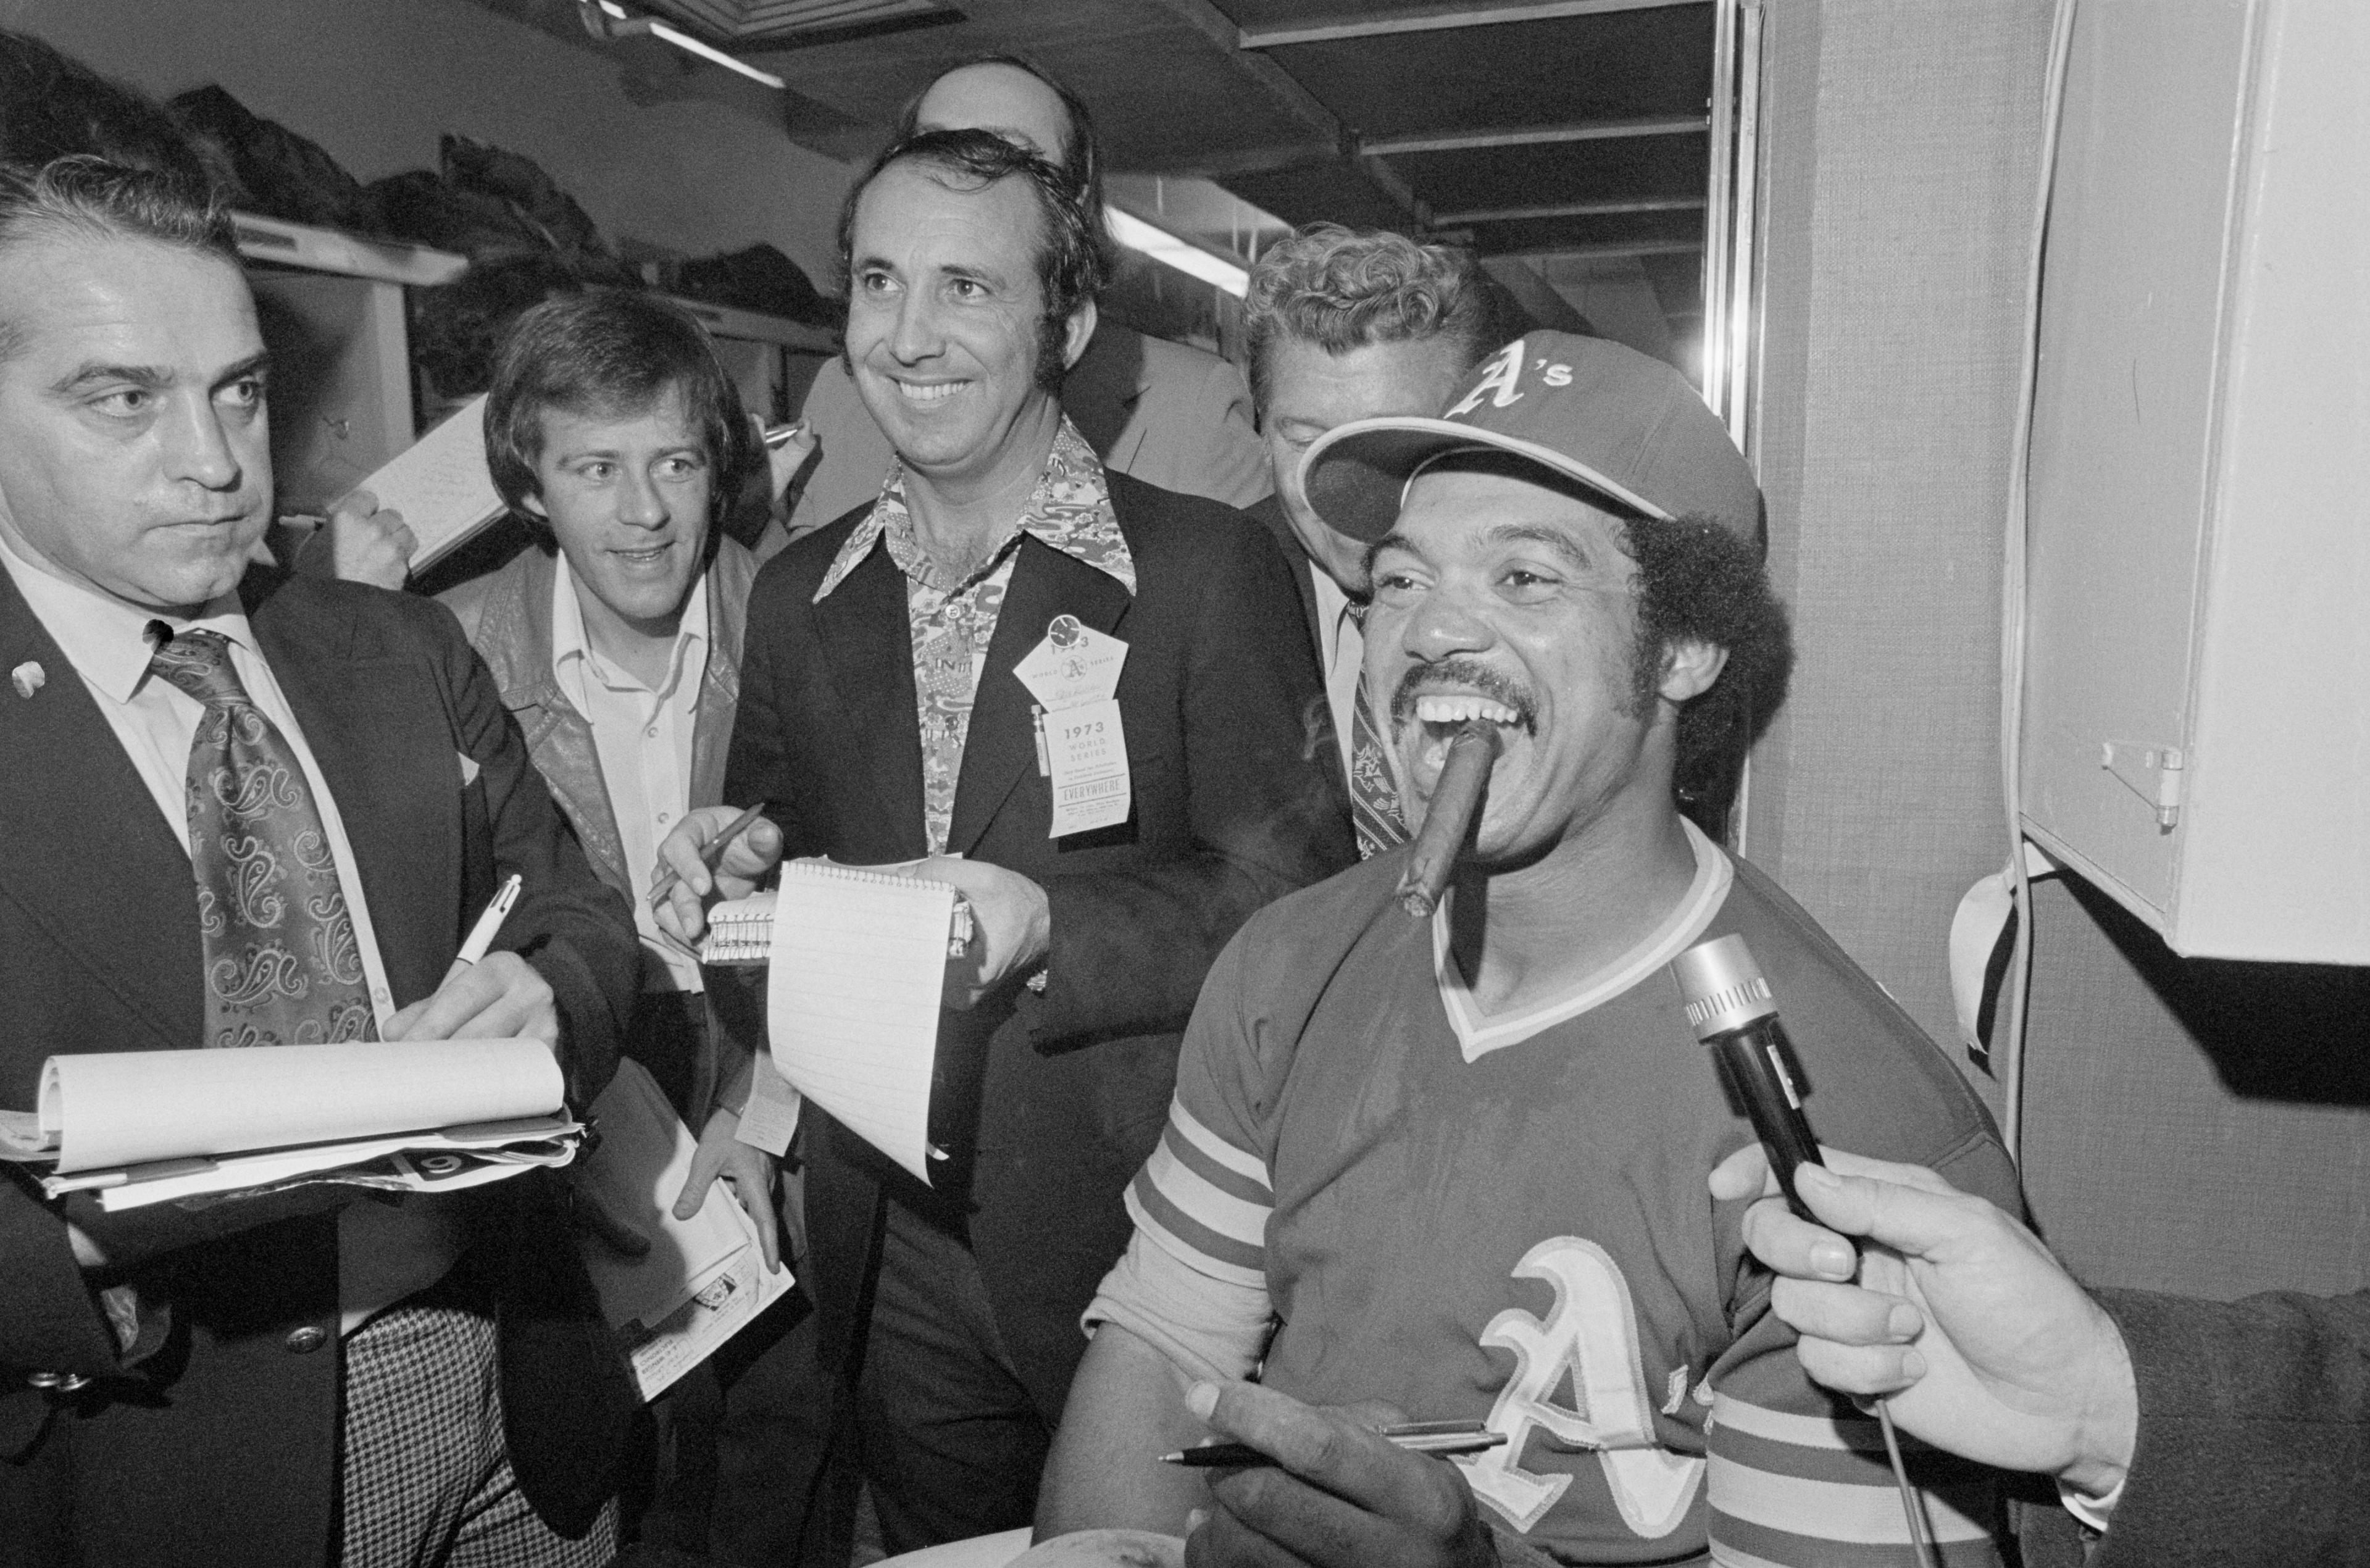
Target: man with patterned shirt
[886,715]
[1457,1164]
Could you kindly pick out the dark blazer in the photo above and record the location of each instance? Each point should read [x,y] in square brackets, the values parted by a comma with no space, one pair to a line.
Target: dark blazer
[2254,1435]
[221,1445]
[1046,1105]
[1316,720]
[1269,515]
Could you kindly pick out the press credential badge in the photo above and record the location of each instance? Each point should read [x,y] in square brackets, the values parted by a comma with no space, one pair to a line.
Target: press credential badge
[1073,675]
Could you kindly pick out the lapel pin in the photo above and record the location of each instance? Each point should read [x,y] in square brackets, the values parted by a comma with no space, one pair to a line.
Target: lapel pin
[28,678]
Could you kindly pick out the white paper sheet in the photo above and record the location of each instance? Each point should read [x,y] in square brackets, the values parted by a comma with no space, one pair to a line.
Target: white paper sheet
[725,1303]
[704,1278]
[121,1108]
[852,998]
[442,485]
[441,1162]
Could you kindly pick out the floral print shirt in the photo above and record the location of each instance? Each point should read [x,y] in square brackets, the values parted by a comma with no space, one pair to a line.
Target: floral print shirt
[953,619]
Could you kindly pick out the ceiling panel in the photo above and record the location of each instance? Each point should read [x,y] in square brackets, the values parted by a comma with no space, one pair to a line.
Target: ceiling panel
[1633,169]
[1543,235]
[1162,92]
[1618,65]
[1279,128]
[1299,13]
[753,23]
[1333,191]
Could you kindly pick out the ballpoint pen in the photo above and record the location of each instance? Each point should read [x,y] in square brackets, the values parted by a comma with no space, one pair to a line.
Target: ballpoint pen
[489,924]
[1442,1438]
[710,853]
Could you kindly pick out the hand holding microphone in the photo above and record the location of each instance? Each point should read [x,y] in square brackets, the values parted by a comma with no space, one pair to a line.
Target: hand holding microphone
[1985,1346]
[1731,1009]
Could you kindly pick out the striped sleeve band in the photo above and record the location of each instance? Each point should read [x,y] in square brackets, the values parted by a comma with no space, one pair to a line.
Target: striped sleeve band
[1204,1201]
[1787,1490]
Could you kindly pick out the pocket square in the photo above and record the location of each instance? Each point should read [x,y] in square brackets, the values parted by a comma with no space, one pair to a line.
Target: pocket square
[469,768]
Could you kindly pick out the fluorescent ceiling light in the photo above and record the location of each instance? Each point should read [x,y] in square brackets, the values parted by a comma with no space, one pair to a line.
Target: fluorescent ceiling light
[739,23]
[691,45]
[1164,246]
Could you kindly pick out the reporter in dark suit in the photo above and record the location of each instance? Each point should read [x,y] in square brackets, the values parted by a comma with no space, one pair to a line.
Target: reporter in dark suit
[881,720]
[265,1379]
[2204,1433]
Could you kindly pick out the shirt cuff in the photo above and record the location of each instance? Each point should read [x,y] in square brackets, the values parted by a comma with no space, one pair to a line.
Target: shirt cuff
[1207,1329]
[2088,1510]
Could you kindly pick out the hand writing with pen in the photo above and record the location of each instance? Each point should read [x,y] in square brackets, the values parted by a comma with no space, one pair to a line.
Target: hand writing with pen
[1339,1495]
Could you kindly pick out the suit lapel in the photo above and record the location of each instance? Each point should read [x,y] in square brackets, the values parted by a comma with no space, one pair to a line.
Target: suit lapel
[85,853]
[1002,740]
[1269,514]
[867,640]
[376,726]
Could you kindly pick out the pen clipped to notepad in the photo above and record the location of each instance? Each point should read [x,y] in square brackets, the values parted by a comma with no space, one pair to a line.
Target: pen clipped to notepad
[1442,1438]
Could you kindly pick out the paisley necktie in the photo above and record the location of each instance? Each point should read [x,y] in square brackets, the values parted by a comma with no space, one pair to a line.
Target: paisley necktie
[282,963]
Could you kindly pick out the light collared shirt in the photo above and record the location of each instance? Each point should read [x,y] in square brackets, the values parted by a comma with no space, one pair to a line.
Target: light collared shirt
[1344,653]
[953,620]
[643,739]
[384,1253]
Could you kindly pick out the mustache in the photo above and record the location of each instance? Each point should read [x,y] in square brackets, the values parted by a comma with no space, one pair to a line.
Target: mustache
[1466,675]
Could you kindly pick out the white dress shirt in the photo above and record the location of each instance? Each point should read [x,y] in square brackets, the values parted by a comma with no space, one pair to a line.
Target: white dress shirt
[643,740]
[384,1252]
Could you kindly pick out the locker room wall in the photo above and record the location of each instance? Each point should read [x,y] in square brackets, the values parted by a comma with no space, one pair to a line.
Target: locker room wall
[1900,151]
[2190,1126]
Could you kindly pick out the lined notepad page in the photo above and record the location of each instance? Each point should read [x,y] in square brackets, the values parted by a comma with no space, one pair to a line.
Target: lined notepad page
[442,485]
[852,999]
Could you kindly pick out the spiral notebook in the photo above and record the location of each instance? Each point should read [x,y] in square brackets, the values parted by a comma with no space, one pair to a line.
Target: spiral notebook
[857,962]
[441,486]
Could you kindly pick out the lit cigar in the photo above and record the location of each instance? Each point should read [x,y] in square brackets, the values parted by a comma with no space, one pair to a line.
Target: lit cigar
[1472,752]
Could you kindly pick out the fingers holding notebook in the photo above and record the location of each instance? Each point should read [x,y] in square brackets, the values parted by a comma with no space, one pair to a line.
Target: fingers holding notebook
[1012,924]
[694,872]
[366,542]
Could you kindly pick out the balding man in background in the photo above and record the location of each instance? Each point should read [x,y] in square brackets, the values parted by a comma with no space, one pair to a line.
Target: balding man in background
[1166,413]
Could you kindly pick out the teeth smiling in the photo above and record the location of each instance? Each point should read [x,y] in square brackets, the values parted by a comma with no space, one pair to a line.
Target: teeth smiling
[937,393]
[1446,709]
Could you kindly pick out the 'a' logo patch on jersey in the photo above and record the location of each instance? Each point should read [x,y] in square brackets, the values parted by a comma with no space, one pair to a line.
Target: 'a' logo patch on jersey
[1590,1336]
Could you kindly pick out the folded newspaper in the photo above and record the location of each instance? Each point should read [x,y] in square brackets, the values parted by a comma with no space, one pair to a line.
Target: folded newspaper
[152,1126]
